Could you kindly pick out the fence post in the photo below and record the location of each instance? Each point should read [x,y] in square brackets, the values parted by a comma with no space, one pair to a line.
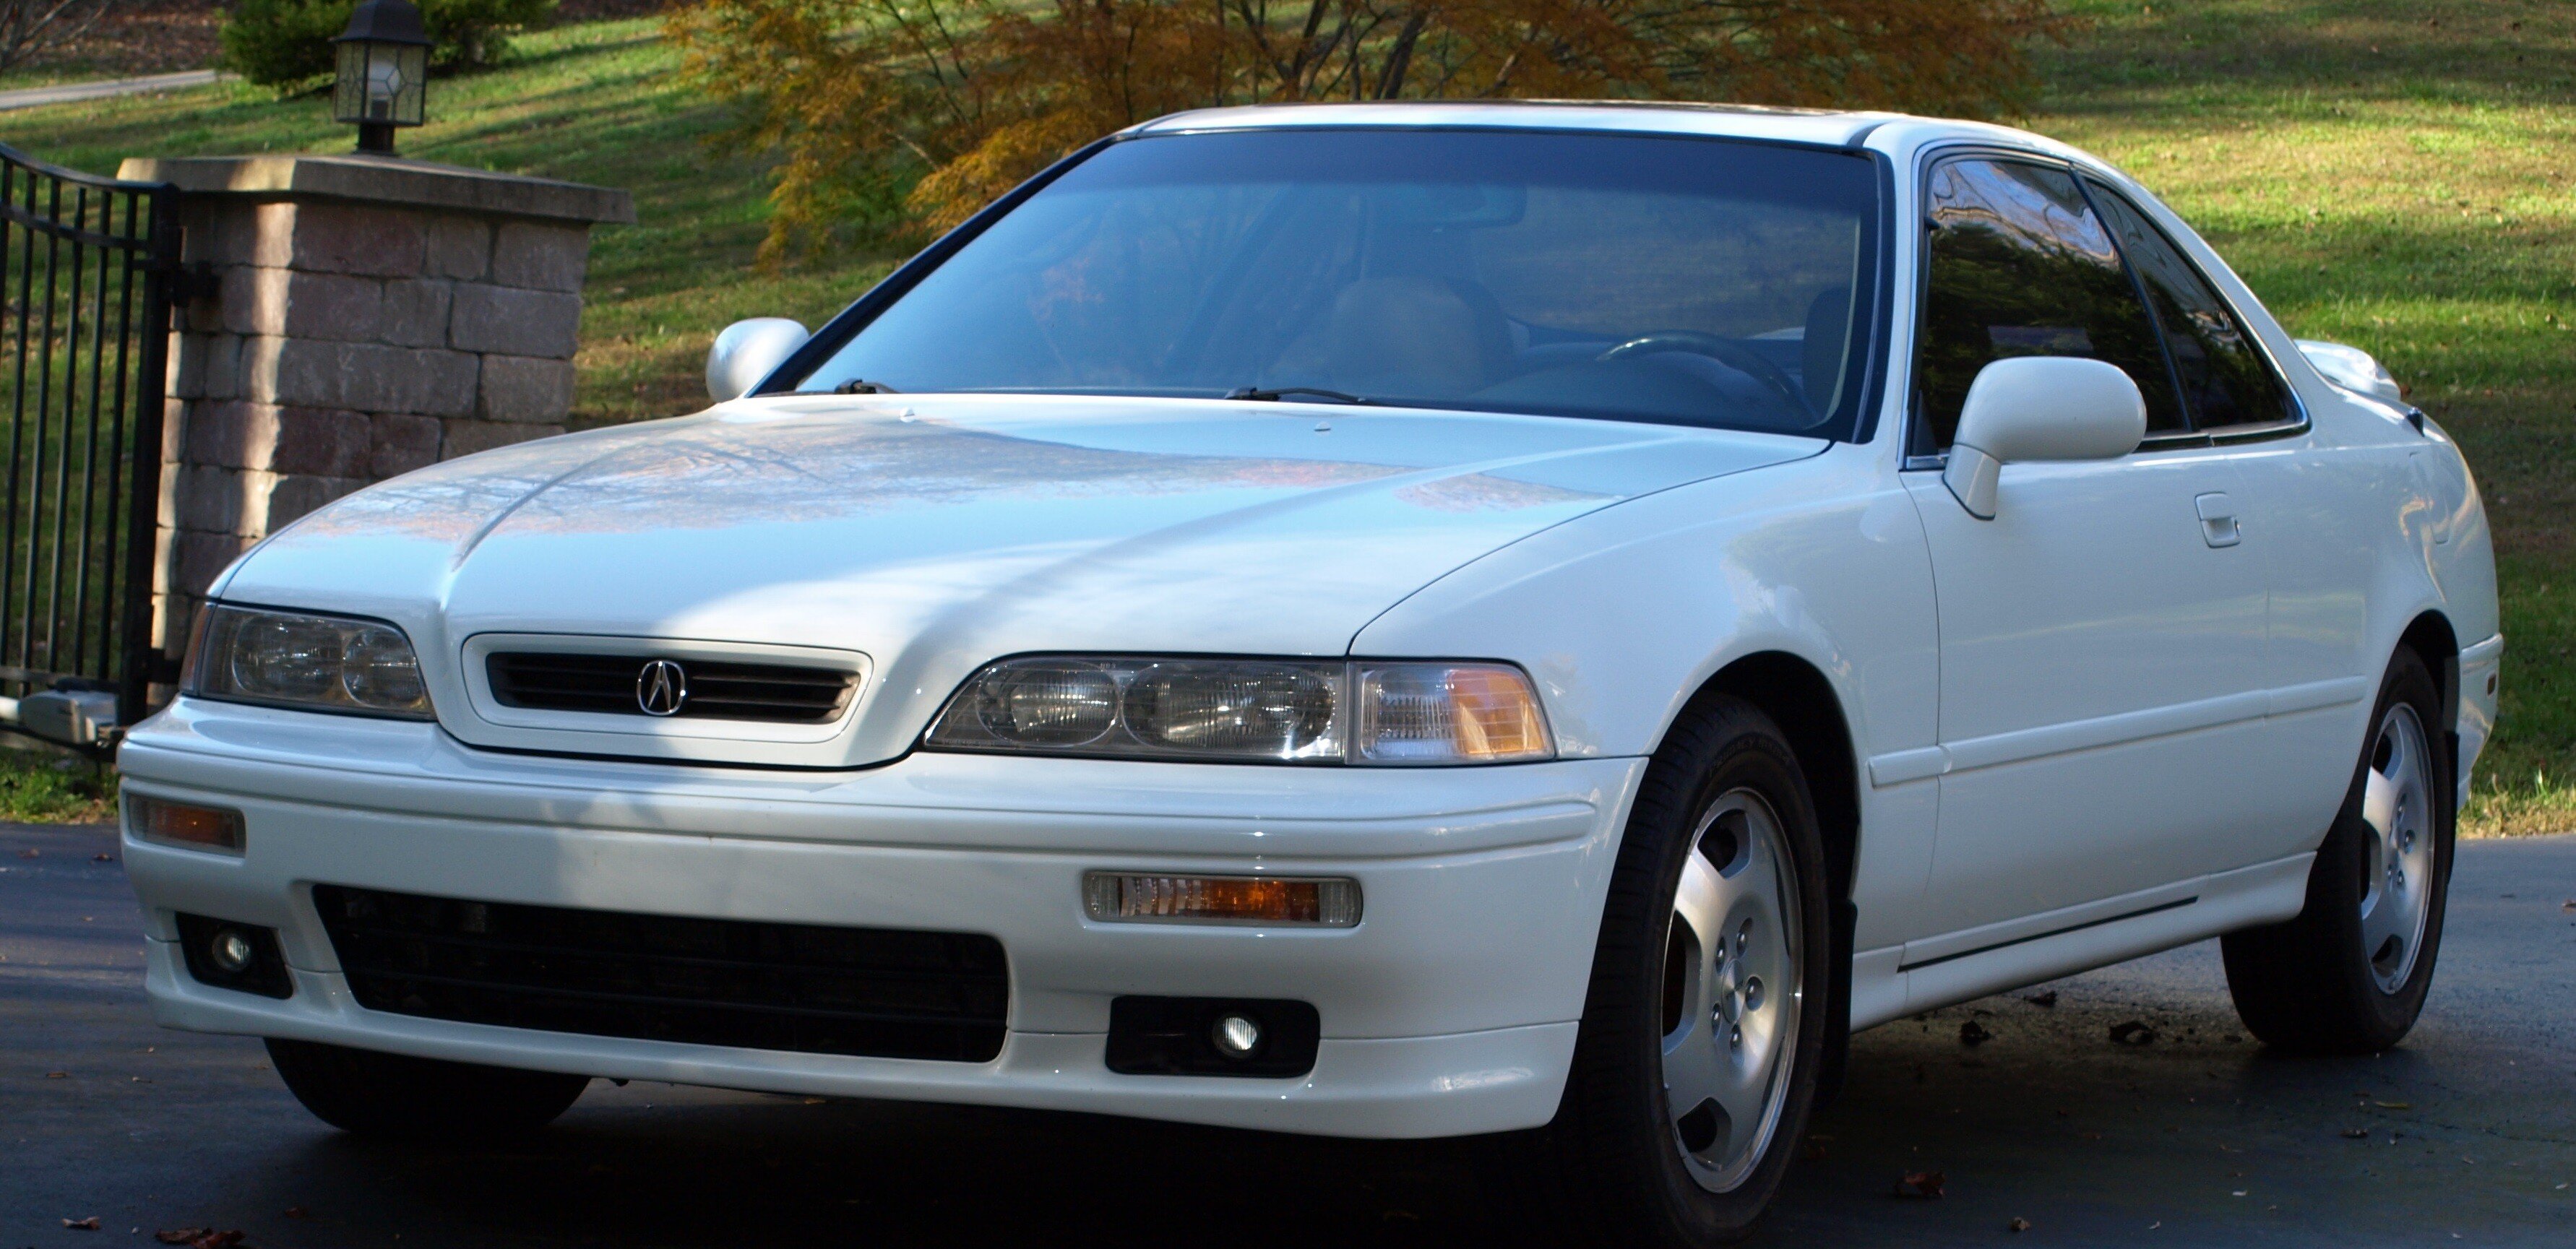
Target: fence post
[360,317]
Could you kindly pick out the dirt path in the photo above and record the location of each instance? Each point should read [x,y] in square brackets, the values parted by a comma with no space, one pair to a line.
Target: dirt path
[70,92]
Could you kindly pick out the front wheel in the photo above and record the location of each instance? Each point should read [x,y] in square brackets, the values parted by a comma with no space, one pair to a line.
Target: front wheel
[2349,974]
[1703,1034]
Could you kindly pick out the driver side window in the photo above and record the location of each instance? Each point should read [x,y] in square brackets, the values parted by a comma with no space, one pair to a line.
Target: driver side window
[2021,266]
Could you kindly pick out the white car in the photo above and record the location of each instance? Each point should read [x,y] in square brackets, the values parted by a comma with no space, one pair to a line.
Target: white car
[1371,620]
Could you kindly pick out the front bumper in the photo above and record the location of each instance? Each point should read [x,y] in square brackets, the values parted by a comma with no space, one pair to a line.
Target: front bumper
[2480,666]
[1450,1009]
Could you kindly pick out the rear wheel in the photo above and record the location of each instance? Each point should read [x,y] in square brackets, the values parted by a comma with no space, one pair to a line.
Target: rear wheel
[395,1095]
[2349,974]
[1703,1033]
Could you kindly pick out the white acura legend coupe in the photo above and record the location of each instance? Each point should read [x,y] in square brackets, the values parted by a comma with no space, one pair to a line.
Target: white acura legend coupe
[1379,620]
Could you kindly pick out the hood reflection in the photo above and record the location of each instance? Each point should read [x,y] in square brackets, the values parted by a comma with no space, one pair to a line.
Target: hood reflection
[706,474]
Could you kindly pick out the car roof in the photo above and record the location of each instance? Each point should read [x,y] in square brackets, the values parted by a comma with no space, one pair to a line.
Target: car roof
[1819,127]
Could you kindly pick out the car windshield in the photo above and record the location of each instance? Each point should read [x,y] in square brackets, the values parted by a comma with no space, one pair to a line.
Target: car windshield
[1678,280]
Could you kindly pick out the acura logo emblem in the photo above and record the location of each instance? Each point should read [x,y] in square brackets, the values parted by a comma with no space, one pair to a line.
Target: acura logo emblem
[662,688]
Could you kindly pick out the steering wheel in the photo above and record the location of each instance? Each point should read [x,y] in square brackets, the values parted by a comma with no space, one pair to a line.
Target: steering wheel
[1725,351]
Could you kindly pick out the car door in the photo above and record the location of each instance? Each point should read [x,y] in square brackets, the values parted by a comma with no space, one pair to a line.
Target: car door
[2102,637]
[2312,507]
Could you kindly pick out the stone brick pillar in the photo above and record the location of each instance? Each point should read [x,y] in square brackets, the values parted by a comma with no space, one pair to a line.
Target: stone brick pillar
[368,316]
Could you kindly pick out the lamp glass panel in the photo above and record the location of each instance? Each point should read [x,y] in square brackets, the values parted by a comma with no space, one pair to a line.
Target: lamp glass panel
[382,83]
[412,68]
[348,100]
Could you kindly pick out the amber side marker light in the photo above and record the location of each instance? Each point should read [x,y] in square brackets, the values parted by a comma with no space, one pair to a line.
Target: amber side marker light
[178,824]
[1136,897]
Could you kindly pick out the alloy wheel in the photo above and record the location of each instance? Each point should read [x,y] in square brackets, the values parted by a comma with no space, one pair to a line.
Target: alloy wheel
[2397,804]
[1732,991]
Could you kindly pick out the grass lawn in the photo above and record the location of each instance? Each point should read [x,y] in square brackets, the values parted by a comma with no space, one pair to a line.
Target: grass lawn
[2397,174]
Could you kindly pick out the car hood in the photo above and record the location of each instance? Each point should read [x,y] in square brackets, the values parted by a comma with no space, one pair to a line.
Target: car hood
[932,533]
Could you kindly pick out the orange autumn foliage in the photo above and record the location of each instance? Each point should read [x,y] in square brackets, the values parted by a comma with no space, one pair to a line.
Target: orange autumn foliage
[898,115]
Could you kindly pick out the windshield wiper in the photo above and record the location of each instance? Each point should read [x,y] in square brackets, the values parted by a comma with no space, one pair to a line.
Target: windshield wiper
[1260,395]
[862,386]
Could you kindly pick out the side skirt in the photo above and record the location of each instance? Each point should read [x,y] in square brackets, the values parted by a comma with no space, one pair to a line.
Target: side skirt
[1895,981]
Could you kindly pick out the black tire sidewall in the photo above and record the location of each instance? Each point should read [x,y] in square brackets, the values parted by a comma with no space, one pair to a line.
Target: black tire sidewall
[2386,1017]
[1618,1073]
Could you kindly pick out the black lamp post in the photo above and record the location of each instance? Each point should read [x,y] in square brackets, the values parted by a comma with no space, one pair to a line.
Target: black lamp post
[384,72]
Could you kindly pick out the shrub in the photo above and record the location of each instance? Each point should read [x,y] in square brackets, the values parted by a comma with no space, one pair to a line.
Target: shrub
[287,43]
[935,106]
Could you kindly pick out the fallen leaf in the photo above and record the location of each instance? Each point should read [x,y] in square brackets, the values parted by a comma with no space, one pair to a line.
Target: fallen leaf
[31,854]
[89,1224]
[2132,1032]
[2356,1134]
[199,1238]
[102,858]
[1974,1033]
[1921,1185]
[58,1075]
[2048,998]
[2395,1105]
[2017,1225]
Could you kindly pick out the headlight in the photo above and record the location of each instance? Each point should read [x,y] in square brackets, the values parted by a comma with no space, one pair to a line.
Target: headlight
[1282,710]
[300,660]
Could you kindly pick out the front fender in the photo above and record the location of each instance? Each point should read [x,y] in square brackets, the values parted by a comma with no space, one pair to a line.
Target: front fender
[1624,614]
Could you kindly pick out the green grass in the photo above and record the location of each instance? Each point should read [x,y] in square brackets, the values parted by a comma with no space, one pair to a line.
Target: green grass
[2397,174]
[42,788]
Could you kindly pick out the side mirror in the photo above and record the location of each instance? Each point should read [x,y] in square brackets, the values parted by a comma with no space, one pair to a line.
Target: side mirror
[2354,370]
[747,351]
[2040,408]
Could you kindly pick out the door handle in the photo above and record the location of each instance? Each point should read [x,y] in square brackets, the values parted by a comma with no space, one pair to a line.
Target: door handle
[2218,525]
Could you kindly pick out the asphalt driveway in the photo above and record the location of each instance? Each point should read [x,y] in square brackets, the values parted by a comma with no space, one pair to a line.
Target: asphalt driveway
[2467,1135]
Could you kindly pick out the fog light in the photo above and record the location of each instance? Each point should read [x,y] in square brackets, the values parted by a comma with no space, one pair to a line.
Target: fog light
[1236,1036]
[232,955]
[178,824]
[231,951]
[1137,897]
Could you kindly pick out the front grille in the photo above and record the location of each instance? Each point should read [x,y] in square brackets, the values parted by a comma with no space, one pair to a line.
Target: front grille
[879,992]
[717,690]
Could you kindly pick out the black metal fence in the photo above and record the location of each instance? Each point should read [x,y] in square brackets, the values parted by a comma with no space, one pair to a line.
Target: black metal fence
[86,268]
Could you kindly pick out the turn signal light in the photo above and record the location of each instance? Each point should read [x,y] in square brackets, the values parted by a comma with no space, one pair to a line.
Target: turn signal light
[178,824]
[1136,897]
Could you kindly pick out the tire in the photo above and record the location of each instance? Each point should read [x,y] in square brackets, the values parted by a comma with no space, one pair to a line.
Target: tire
[1625,1162]
[2349,974]
[395,1095]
